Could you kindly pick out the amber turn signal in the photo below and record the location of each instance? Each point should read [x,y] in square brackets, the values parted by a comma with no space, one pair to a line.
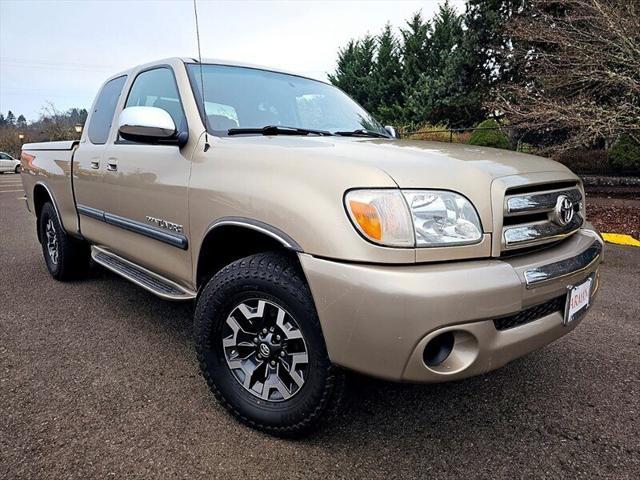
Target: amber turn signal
[368,218]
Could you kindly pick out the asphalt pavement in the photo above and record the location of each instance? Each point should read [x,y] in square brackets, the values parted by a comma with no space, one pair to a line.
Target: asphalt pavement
[98,379]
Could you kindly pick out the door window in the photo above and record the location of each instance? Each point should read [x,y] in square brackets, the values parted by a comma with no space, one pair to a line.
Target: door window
[102,115]
[157,88]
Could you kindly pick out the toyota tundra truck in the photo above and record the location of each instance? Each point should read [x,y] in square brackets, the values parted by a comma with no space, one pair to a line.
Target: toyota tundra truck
[311,239]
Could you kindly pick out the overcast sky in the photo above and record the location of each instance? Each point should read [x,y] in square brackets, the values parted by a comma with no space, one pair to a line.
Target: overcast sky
[61,51]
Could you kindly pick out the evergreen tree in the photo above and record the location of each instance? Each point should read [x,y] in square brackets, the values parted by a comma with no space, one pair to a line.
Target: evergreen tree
[446,38]
[354,71]
[387,77]
[441,71]
[11,119]
[3,122]
[487,40]
[415,56]
[441,95]
[21,122]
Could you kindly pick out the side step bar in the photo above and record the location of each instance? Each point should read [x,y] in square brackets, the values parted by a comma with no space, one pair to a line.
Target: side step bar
[142,277]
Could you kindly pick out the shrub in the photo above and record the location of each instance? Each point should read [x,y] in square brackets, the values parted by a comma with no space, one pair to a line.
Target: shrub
[584,161]
[438,133]
[488,134]
[625,155]
[431,133]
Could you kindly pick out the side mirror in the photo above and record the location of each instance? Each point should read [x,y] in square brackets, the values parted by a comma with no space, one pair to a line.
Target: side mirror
[391,131]
[149,125]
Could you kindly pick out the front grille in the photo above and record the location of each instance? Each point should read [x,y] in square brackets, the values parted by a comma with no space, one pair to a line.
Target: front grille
[532,215]
[531,314]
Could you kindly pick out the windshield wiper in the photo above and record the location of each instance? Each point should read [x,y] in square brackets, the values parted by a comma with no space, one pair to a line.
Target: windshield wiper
[362,133]
[277,130]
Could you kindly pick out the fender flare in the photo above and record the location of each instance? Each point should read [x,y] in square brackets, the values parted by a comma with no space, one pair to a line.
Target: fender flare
[53,201]
[285,239]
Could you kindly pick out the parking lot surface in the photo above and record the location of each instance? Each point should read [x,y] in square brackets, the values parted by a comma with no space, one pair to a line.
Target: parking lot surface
[98,379]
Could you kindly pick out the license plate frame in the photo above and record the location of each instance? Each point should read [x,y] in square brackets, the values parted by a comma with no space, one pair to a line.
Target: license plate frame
[571,314]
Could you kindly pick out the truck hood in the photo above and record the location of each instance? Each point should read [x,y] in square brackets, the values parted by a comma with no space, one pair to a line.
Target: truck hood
[333,165]
[414,163]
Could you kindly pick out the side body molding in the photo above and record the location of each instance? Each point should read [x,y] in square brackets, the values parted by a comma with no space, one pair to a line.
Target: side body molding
[259,226]
[174,239]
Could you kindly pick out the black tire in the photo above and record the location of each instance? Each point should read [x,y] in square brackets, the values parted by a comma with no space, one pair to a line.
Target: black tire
[17,170]
[73,256]
[273,277]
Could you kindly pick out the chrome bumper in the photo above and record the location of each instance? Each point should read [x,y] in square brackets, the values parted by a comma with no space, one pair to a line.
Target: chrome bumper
[569,266]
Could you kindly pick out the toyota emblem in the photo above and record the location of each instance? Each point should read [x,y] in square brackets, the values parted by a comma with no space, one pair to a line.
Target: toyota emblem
[563,212]
[265,350]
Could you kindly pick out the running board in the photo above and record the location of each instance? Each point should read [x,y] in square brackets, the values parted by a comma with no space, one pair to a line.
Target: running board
[142,277]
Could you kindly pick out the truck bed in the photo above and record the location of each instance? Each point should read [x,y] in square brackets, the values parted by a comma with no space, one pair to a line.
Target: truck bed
[47,171]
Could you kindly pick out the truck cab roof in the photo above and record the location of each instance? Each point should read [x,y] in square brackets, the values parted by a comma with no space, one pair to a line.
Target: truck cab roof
[176,61]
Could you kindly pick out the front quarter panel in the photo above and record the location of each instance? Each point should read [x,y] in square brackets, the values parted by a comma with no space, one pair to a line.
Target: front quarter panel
[296,191]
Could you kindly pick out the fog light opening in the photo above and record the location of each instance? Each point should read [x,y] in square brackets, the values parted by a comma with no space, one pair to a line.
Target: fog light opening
[438,349]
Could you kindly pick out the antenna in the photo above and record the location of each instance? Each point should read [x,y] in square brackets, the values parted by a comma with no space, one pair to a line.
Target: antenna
[204,108]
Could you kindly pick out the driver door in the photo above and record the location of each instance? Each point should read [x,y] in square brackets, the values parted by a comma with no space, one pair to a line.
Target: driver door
[149,186]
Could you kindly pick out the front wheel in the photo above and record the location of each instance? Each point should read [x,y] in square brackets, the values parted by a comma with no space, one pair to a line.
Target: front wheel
[17,170]
[261,348]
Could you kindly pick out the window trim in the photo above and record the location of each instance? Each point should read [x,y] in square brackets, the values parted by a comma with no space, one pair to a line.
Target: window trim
[166,66]
[115,110]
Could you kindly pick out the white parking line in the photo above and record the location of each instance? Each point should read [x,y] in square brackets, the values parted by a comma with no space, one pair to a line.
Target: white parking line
[9,191]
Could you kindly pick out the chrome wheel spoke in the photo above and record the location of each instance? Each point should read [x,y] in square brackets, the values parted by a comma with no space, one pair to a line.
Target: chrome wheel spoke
[52,241]
[265,350]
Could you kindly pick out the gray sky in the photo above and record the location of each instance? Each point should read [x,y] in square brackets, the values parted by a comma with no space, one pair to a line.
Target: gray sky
[61,51]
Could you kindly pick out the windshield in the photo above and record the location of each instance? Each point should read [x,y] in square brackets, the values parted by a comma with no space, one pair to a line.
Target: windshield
[240,97]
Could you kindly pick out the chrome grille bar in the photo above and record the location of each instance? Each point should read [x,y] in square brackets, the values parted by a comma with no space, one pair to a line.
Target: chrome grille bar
[538,233]
[538,202]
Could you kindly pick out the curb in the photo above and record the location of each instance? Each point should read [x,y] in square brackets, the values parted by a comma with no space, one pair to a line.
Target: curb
[621,239]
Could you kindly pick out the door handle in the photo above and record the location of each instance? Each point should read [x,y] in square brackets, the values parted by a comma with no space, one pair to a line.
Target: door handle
[112,165]
[95,164]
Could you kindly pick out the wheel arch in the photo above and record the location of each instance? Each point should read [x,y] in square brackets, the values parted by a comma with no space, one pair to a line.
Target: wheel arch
[41,195]
[231,238]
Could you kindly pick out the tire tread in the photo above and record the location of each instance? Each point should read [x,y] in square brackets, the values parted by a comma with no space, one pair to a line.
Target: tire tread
[284,272]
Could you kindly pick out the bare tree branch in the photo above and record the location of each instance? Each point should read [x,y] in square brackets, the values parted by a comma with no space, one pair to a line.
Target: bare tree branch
[581,60]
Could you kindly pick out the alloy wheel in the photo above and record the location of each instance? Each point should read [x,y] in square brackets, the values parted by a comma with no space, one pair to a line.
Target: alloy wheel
[265,350]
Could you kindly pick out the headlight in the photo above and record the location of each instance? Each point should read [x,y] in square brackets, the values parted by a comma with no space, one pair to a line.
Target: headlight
[442,218]
[414,218]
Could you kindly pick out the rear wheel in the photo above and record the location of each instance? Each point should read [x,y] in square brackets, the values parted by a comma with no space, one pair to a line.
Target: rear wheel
[261,348]
[17,170]
[66,257]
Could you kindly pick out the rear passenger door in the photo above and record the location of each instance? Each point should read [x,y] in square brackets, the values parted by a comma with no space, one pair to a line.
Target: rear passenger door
[91,194]
[148,185]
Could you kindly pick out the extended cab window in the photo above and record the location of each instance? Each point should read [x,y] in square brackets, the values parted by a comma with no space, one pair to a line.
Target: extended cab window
[157,88]
[102,114]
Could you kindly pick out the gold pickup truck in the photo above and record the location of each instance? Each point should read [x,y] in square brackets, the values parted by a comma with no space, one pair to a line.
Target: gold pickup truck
[312,240]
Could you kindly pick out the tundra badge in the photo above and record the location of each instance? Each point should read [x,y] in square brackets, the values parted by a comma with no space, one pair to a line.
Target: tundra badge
[174,227]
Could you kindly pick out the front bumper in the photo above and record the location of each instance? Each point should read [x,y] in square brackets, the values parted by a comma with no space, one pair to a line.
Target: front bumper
[378,319]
